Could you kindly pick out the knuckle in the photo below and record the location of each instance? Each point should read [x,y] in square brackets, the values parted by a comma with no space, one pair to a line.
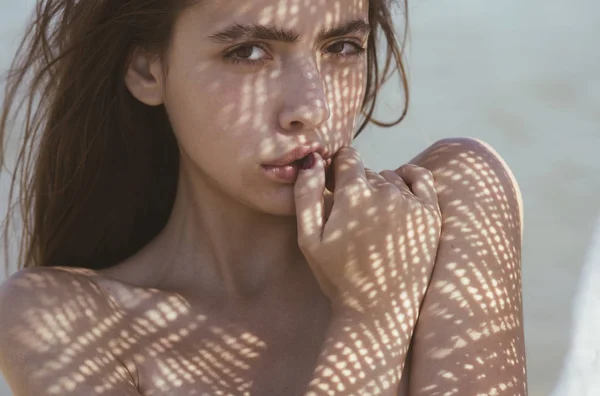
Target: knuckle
[420,170]
[388,174]
[348,151]
[427,174]
[360,182]
[408,167]
[423,174]
[372,174]
[389,191]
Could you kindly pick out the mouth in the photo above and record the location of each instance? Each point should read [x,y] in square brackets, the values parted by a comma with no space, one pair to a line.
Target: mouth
[298,163]
[288,173]
[298,155]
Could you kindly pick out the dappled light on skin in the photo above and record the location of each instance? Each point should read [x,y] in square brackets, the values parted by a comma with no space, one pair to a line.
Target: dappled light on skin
[293,94]
[155,331]
[390,283]
[163,343]
[477,289]
[329,93]
[100,331]
[295,98]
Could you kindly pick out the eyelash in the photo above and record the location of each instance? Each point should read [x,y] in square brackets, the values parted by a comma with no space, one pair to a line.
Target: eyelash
[230,56]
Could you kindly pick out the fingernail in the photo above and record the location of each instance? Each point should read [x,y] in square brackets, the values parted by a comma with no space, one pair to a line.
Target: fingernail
[308,162]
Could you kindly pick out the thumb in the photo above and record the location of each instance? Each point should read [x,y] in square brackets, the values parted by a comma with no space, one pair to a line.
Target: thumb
[308,194]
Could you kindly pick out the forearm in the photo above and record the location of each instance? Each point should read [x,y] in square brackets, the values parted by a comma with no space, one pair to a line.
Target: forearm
[361,357]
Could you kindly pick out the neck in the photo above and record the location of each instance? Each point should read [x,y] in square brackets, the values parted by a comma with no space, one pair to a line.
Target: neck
[214,244]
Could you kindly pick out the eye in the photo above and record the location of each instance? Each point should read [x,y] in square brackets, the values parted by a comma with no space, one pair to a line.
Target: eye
[253,54]
[248,54]
[346,49]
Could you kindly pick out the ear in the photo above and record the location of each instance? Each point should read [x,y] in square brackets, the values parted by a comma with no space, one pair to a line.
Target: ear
[144,77]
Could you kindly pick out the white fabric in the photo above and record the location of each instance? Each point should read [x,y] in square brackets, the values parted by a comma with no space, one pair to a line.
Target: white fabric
[581,372]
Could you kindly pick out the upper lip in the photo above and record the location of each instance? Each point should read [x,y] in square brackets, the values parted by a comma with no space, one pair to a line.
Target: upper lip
[299,153]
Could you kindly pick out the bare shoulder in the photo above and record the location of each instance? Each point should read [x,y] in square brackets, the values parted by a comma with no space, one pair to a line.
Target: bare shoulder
[472,169]
[474,301]
[56,327]
[41,287]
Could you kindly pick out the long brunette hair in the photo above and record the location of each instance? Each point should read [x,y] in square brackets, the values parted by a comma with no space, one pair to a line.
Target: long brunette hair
[98,168]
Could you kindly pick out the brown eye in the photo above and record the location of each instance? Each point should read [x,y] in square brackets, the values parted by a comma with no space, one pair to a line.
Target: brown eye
[337,47]
[248,54]
[340,49]
[244,52]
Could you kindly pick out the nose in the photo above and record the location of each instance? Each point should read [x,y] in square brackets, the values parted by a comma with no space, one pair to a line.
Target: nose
[305,100]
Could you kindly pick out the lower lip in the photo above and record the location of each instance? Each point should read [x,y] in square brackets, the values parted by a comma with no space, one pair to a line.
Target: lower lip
[286,173]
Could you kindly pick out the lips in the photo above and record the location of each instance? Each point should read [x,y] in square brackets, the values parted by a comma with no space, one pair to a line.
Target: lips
[289,173]
[297,155]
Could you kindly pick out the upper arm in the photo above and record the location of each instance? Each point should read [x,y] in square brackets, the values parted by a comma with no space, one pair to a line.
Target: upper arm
[469,337]
[56,336]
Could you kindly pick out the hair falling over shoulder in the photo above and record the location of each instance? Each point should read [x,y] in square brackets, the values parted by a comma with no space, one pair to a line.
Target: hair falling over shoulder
[96,170]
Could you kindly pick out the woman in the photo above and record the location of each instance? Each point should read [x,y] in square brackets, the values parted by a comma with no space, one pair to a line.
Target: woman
[201,224]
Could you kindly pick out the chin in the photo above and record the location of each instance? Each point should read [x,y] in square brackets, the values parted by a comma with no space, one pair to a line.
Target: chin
[281,203]
[284,210]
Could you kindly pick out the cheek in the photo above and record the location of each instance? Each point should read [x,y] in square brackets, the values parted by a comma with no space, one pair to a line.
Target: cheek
[233,101]
[201,104]
[206,113]
[345,88]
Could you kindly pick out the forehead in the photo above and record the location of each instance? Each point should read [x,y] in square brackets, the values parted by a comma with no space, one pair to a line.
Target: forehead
[307,17]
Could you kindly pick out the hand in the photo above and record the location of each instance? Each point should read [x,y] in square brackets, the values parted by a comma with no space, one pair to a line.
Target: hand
[374,253]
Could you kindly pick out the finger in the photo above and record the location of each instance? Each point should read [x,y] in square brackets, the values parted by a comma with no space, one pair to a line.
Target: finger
[420,181]
[309,201]
[374,178]
[328,204]
[392,177]
[327,287]
[329,176]
[348,168]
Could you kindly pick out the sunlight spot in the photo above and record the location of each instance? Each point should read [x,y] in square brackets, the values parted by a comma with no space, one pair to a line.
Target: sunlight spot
[441,353]
[475,335]
[447,288]
[460,342]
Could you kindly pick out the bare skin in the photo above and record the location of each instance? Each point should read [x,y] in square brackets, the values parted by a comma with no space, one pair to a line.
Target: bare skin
[222,301]
[233,230]
[159,342]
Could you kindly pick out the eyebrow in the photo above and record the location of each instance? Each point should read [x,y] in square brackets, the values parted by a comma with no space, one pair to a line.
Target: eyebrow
[262,32]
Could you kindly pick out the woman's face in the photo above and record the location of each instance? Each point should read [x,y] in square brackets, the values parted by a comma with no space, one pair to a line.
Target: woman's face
[248,81]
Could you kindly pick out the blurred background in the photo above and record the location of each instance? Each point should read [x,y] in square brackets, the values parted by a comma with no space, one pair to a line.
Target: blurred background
[523,75]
